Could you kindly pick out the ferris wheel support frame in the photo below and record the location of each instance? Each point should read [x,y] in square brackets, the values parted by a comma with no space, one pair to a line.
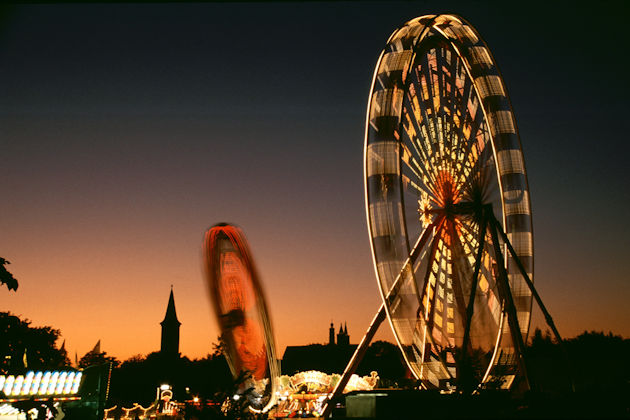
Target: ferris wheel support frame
[471,299]
[378,319]
[491,225]
[541,305]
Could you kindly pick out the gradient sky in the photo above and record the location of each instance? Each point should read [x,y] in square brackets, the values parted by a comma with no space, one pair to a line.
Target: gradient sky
[127,130]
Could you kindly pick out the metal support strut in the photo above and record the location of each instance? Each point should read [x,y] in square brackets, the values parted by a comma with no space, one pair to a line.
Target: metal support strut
[376,322]
[355,360]
[497,226]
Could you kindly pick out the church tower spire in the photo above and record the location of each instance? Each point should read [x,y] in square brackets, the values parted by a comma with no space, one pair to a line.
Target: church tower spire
[170,329]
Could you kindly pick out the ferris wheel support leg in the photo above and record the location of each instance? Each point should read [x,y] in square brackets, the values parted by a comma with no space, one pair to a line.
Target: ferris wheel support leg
[504,287]
[530,284]
[473,289]
[355,360]
[520,266]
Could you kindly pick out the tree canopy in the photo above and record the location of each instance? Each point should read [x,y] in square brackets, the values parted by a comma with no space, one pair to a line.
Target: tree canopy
[23,346]
[6,277]
[93,358]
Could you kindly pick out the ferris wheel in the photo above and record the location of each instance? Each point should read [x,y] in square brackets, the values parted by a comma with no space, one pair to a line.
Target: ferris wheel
[242,314]
[445,180]
[448,211]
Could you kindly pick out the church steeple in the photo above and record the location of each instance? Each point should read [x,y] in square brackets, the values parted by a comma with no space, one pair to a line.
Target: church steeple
[342,336]
[170,329]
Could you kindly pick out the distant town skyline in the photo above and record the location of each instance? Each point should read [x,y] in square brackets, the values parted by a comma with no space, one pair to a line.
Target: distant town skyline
[128,130]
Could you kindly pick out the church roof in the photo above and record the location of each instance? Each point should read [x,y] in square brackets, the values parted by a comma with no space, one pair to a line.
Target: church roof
[171,314]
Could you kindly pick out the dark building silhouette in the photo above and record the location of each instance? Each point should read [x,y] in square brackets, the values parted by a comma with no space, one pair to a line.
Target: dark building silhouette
[330,358]
[170,329]
[343,339]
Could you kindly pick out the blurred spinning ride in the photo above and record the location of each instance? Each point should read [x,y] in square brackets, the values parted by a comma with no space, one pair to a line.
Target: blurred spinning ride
[242,314]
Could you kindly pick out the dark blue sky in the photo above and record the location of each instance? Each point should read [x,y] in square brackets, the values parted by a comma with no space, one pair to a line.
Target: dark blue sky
[127,130]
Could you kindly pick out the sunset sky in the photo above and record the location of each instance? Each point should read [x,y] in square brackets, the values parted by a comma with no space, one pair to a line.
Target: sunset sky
[127,130]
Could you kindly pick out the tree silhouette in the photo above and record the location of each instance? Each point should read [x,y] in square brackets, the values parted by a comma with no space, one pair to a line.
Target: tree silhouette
[93,358]
[36,345]
[386,359]
[6,277]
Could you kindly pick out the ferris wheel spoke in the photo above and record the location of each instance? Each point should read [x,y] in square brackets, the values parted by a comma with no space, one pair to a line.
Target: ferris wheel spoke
[462,162]
[453,126]
[416,138]
[443,138]
[427,177]
[460,257]
[462,274]
[430,77]
[430,300]
[466,118]
[434,157]
[419,189]
[444,108]
[421,184]
[471,233]
[480,176]
[429,288]
[471,168]
[474,120]
[440,292]
[470,241]
[407,267]
[426,315]
[421,152]
[414,154]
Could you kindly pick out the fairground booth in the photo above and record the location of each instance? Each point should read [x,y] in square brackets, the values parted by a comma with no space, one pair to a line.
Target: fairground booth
[79,394]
